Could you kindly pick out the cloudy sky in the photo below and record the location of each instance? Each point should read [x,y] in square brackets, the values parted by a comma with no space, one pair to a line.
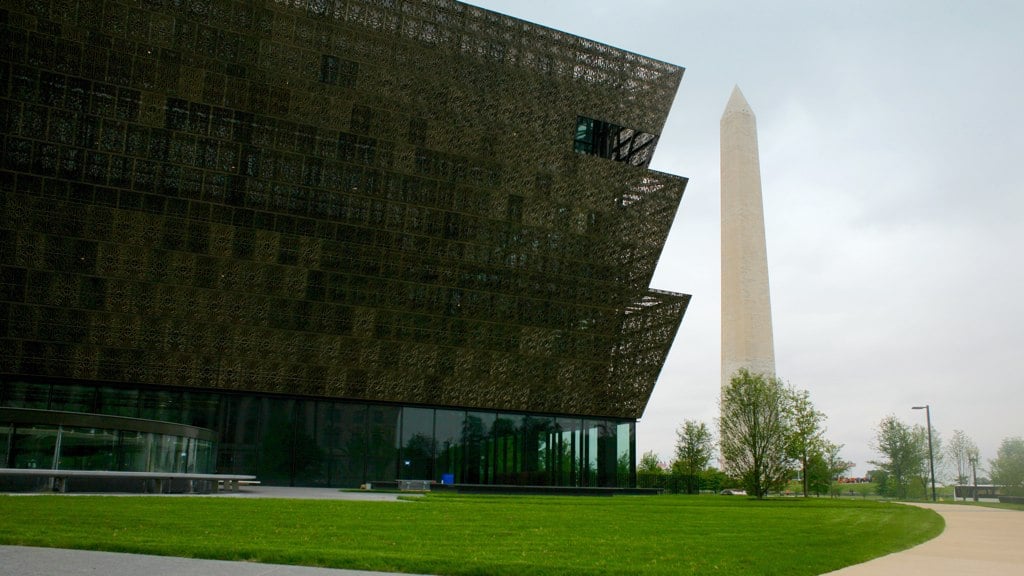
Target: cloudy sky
[890,133]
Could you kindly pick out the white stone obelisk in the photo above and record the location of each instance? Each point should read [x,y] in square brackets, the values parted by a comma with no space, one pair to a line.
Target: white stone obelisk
[746,305]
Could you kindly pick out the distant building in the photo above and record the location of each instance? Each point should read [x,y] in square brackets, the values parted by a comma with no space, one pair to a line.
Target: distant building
[358,240]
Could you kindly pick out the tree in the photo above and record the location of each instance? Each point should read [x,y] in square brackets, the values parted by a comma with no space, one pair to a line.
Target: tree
[754,431]
[905,452]
[694,447]
[1008,467]
[959,452]
[805,438]
[650,463]
[824,466]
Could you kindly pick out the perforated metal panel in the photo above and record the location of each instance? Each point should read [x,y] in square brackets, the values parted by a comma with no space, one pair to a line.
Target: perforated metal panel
[385,201]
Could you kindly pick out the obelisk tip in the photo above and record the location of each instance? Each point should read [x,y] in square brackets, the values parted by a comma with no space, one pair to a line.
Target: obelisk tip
[737,104]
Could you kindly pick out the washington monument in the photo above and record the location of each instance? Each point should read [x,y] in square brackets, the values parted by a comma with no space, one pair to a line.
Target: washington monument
[746,305]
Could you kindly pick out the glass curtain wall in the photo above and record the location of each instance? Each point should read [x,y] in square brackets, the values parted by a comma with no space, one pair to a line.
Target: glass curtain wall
[79,448]
[305,442]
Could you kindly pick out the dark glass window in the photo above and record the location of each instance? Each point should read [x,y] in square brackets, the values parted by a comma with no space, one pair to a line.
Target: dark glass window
[237,445]
[27,395]
[70,398]
[509,449]
[276,439]
[448,444]
[6,433]
[347,455]
[118,402]
[607,140]
[88,449]
[309,447]
[165,405]
[382,435]
[479,446]
[200,409]
[33,446]
[417,447]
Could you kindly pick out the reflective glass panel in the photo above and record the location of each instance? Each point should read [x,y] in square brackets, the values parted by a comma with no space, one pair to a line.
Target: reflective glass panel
[88,449]
[5,445]
[118,402]
[27,395]
[33,446]
[448,440]
[476,436]
[626,459]
[203,462]
[508,446]
[567,451]
[168,454]
[309,446]
[348,455]
[537,452]
[277,433]
[164,405]
[200,409]
[72,398]
[236,452]
[589,457]
[382,435]
[417,448]
[133,452]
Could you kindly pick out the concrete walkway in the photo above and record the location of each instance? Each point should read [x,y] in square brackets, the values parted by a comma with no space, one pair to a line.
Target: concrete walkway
[977,541]
[25,561]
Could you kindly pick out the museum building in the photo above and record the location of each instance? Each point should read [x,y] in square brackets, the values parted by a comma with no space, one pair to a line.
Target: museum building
[328,242]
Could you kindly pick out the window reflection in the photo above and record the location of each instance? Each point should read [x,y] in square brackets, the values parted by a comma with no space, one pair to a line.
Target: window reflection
[320,443]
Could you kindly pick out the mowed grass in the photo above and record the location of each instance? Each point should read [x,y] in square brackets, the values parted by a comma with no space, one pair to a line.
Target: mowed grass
[493,535]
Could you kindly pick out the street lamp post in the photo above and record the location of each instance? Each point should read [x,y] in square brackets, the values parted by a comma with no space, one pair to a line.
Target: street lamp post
[974,472]
[931,455]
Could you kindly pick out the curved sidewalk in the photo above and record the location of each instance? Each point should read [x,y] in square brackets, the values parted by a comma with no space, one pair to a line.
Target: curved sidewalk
[977,540]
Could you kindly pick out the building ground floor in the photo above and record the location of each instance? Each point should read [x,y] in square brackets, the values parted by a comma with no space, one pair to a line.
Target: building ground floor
[301,441]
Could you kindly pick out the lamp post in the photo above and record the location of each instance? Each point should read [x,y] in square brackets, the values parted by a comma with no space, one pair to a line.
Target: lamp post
[974,473]
[931,455]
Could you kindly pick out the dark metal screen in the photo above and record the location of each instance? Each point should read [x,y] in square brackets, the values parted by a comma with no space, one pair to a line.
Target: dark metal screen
[353,199]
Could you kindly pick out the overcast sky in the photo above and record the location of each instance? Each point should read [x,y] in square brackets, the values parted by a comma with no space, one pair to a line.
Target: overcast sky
[890,133]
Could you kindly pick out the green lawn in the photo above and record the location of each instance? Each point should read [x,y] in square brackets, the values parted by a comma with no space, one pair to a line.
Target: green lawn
[1019,507]
[445,534]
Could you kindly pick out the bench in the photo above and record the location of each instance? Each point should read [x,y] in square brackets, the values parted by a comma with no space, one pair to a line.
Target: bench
[414,485]
[59,478]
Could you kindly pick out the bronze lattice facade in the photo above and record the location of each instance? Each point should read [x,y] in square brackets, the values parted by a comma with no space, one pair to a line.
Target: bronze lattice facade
[412,204]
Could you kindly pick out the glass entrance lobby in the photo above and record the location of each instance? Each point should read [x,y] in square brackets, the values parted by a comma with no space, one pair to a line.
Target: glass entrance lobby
[326,442]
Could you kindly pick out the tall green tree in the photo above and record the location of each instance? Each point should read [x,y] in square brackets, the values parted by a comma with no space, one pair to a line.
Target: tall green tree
[650,463]
[1008,467]
[754,431]
[694,447]
[824,465]
[958,453]
[805,432]
[904,451]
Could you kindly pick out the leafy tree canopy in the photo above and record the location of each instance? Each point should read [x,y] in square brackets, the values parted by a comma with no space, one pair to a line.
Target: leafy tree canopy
[754,431]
